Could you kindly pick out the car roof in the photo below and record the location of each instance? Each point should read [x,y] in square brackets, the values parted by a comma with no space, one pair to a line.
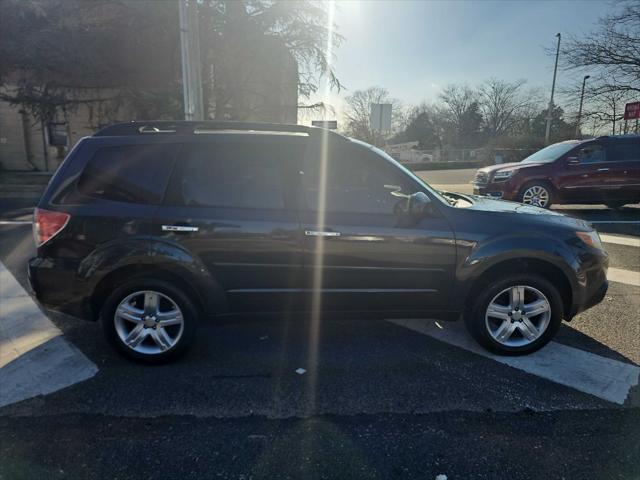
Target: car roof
[600,138]
[163,128]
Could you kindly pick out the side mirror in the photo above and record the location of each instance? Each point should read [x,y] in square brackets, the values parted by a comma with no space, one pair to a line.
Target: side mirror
[419,205]
[573,160]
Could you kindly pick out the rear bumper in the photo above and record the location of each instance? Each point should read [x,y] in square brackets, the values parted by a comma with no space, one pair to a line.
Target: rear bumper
[56,286]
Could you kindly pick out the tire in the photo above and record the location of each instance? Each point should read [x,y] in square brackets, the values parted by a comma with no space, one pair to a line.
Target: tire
[158,337]
[533,193]
[484,327]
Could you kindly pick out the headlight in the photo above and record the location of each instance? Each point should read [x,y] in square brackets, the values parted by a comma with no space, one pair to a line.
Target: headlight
[501,176]
[591,238]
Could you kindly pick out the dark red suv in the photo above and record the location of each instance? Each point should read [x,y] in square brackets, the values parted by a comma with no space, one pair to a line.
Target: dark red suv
[602,170]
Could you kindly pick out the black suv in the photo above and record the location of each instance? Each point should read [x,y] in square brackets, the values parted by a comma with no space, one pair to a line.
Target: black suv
[153,227]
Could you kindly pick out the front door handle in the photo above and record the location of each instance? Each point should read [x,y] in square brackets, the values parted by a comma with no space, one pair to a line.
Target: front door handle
[179,228]
[603,169]
[317,233]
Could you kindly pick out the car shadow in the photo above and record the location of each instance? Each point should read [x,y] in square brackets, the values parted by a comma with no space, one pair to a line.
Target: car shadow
[571,337]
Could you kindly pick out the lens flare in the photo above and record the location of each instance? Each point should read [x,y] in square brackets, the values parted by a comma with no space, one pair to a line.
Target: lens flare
[319,242]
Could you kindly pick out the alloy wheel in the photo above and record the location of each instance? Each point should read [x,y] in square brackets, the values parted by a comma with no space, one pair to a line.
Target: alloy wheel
[536,195]
[149,322]
[518,316]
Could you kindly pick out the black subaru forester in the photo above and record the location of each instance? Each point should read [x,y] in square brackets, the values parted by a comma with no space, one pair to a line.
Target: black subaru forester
[153,227]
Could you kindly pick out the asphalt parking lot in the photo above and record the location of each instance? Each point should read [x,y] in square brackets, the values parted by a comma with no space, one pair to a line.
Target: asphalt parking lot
[382,400]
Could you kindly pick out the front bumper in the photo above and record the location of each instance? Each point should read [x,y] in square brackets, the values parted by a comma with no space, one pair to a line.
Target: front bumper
[592,282]
[503,190]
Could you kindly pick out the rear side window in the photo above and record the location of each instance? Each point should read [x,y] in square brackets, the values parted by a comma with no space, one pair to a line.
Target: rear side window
[128,173]
[623,151]
[232,175]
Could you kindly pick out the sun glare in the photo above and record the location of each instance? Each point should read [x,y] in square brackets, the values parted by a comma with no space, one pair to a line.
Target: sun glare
[316,301]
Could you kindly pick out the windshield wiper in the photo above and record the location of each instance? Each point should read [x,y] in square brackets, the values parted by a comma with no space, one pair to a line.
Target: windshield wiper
[449,198]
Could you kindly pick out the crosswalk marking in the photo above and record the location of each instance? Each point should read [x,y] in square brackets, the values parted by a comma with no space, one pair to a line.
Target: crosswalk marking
[618,240]
[620,275]
[603,377]
[35,359]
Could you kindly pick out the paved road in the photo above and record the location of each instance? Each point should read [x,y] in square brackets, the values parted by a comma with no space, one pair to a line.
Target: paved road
[382,401]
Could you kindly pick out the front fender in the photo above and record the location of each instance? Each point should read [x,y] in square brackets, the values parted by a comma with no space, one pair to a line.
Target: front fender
[477,258]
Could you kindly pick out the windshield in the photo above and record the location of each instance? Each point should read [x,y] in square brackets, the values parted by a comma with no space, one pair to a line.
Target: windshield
[550,153]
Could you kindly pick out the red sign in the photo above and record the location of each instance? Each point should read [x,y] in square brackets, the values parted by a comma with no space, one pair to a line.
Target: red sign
[632,110]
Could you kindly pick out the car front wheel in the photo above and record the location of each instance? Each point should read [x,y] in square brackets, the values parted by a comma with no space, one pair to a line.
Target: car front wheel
[537,194]
[149,320]
[515,315]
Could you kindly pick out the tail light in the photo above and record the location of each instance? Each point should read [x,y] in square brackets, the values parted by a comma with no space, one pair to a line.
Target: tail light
[47,224]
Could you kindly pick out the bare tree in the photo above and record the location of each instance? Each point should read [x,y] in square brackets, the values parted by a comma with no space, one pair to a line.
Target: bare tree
[606,110]
[503,105]
[457,100]
[611,53]
[358,109]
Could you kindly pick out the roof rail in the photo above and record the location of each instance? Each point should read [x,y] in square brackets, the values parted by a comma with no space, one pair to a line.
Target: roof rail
[183,127]
[624,136]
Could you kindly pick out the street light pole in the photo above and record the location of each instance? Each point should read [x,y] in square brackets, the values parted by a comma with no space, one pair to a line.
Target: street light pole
[190,49]
[584,81]
[553,87]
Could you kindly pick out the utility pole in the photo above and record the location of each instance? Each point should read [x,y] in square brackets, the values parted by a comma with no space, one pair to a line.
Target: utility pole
[584,81]
[553,87]
[190,48]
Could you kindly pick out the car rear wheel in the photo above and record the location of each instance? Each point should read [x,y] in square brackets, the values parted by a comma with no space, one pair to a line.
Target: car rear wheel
[538,194]
[149,320]
[515,315]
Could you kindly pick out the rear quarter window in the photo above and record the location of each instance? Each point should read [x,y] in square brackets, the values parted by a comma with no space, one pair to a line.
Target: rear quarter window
[128,173]
[623,151]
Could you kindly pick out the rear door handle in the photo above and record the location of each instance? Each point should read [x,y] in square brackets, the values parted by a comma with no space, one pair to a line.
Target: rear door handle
[317,233]
[603,169]
[179,228]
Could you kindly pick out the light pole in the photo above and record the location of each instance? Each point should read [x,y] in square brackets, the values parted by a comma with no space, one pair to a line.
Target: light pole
[190,49]
[584,81]
[553,87]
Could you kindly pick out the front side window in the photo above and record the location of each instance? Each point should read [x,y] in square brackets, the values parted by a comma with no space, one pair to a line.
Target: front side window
[232,175]
[128,173]
[356,180]
[591,154]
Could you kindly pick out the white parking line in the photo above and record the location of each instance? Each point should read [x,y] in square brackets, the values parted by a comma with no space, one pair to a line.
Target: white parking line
[605,378]
[35,359]
[624,276]
[628,241]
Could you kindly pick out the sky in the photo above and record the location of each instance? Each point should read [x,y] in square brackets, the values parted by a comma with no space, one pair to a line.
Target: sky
[414,48]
